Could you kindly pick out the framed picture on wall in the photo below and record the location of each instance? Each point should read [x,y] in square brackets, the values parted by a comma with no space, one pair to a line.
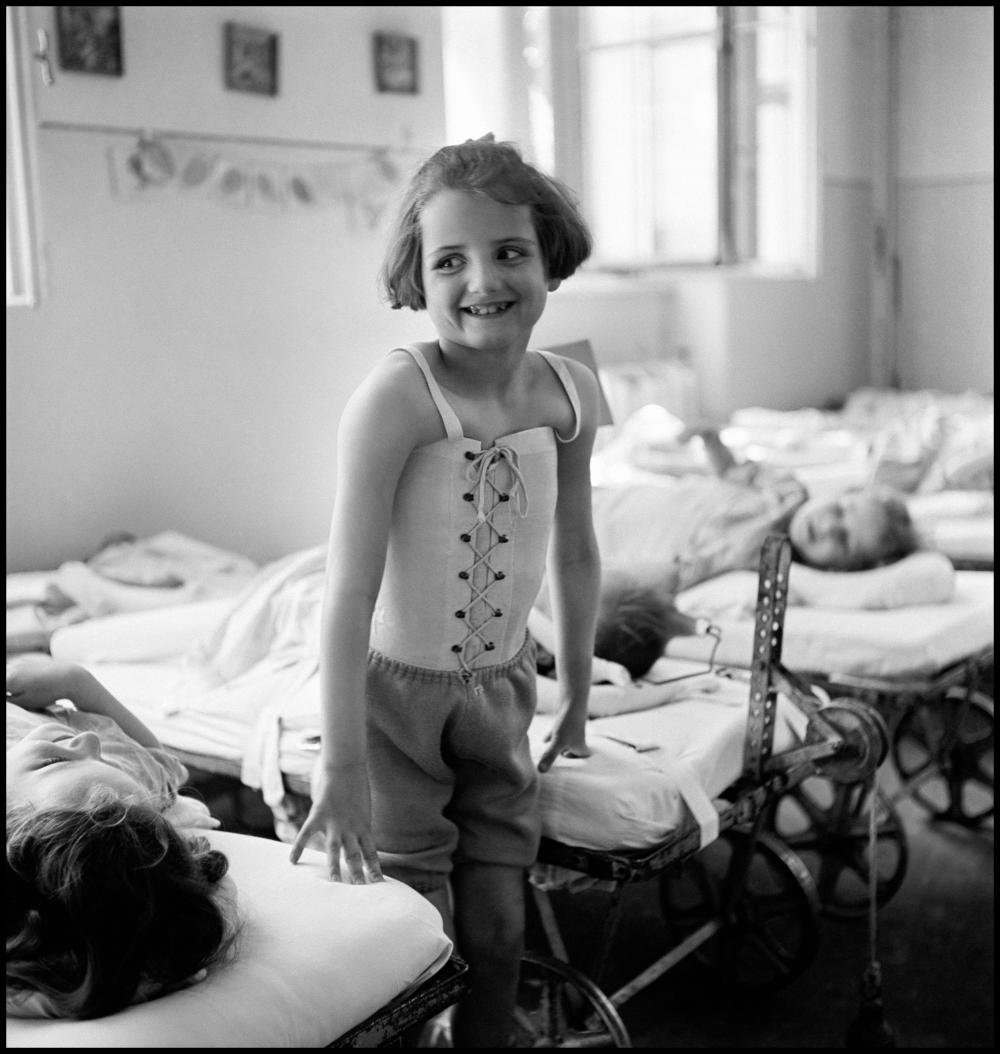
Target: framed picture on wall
[251,59]
[396,63]
[90,40]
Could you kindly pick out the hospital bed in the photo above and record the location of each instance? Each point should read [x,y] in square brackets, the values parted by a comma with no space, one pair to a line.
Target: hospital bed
[733,894]
[683,773]
[317,964]
[928,670]
[124,574]
[936,448]
[250,715]
[925,660]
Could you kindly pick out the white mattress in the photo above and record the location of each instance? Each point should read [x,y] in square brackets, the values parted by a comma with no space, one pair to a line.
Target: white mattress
[619,798]
[311,965]
[629,794]
[635,788]
[914,641]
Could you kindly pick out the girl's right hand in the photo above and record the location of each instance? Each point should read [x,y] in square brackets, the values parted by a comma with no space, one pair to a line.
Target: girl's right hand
[341,811]
[35,682]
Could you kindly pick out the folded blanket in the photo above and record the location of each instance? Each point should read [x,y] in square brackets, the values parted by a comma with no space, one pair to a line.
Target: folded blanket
[139,574]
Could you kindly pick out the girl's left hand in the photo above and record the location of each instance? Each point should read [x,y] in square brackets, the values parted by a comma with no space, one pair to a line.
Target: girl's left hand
[567,738]
[35,682]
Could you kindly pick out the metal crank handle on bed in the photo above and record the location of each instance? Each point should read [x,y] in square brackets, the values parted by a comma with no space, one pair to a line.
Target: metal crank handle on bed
[845,739]
[856,742]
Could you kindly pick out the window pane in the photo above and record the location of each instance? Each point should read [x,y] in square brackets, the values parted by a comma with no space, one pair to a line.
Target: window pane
[683,19]
[775,197]
[772,54]
[20,248]
[685,134]
[537,55]
[769,170]
[614,156]
[613,25]
[684,153]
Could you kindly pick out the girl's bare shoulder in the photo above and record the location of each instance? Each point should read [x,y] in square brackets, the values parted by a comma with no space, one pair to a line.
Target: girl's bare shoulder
[394,393]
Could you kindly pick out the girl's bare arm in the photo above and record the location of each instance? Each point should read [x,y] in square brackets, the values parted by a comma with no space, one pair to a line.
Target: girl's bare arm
[574,573]
[37,681]
[381,425]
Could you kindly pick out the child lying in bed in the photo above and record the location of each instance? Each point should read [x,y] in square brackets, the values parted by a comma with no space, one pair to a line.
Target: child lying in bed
[659,539]
[688,529]
[108,903]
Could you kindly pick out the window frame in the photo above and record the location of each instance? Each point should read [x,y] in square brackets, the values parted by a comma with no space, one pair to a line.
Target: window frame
[567,56]
[22,253]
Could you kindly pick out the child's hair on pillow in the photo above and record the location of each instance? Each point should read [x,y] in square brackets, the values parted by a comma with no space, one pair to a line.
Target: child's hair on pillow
[634,623]
[107,904]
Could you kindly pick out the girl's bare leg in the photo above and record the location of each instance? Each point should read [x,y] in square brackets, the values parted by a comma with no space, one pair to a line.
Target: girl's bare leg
[489,926]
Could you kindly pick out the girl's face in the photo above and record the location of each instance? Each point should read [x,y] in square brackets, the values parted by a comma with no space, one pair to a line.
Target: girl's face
[484,277]
[842,534]
[54,767]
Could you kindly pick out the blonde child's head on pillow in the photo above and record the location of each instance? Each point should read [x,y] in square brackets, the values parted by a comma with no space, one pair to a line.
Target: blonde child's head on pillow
[862,528]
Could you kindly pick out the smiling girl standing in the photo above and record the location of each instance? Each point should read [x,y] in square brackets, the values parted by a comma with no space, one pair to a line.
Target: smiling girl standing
[463,471]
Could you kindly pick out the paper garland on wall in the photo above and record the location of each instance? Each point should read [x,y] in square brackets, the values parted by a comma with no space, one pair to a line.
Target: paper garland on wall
[362,187]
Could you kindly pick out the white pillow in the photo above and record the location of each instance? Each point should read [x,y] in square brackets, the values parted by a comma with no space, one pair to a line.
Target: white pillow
[314,959]
[920,578]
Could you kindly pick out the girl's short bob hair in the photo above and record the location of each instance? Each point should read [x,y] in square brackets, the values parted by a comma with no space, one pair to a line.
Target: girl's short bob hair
[483,166]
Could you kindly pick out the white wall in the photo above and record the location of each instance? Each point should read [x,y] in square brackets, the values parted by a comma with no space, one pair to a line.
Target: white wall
[945,209]
[188,362]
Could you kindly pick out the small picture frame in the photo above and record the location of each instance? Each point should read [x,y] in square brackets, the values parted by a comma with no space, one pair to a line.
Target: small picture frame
[396,63]
[90,40]
[251,59]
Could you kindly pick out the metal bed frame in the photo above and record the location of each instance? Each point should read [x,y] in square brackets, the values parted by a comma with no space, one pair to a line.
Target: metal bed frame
[711,895]
[393,1025]
[941,734]
[745,904]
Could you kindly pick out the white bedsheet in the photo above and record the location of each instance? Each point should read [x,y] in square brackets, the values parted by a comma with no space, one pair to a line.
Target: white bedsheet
[649,768]
[315,959]
[631,792]
[265,717]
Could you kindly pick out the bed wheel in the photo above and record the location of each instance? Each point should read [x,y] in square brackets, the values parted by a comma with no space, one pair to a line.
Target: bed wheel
[769,911]
[558,1006]
[943,752]
[827,825]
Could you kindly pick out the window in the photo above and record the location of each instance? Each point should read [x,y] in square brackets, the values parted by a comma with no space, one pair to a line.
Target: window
[21,280]
[688,131]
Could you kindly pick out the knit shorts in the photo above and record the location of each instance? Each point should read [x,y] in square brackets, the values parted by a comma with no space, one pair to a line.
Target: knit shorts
[451,772]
